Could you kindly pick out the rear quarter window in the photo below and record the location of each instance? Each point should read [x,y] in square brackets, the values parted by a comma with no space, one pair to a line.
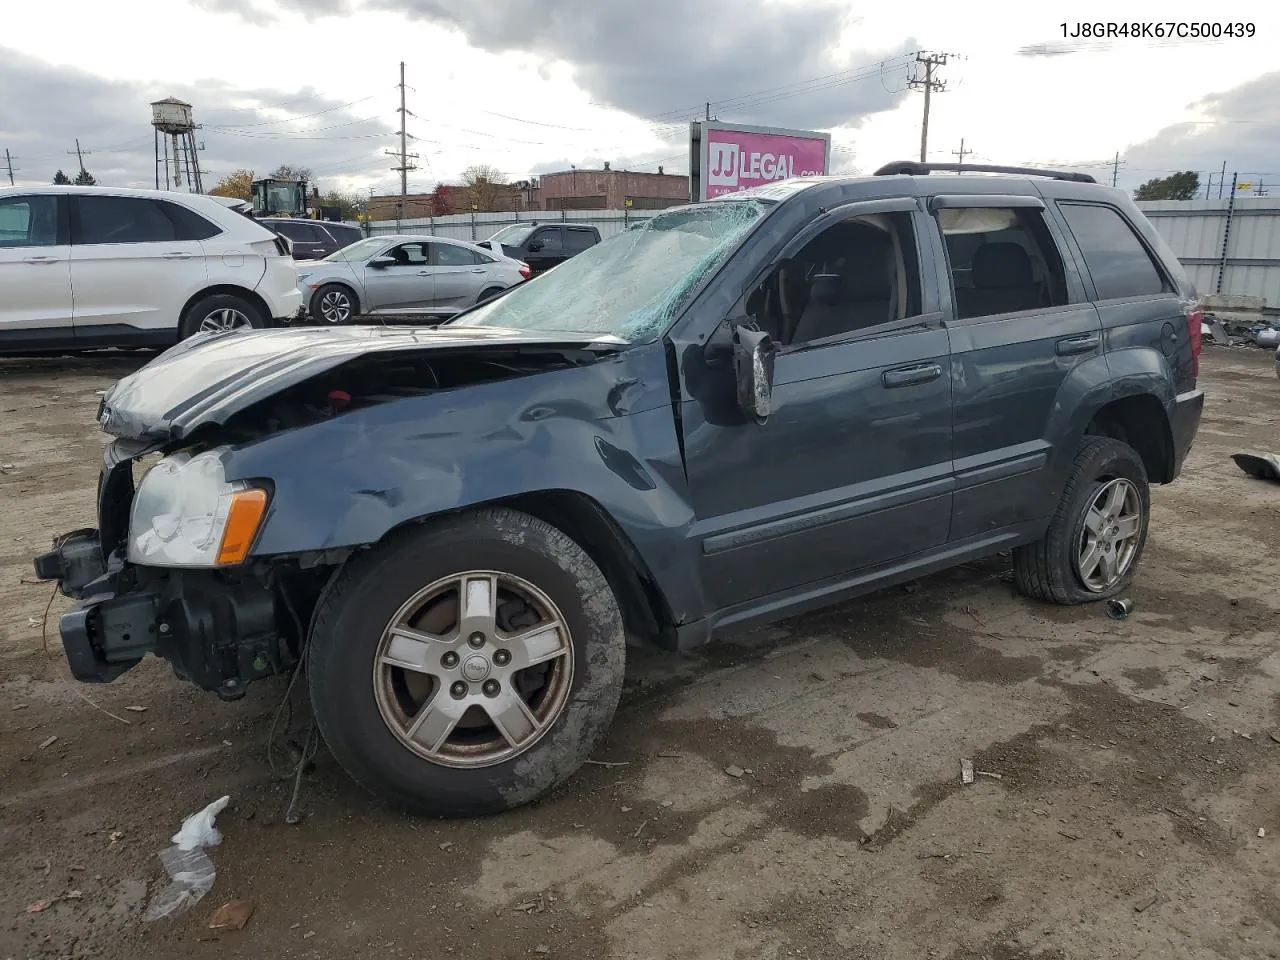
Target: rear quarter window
[1117,259]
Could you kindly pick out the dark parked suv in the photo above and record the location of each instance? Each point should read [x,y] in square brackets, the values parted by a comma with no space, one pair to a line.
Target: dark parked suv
[543,246]
[313,239]
[741,410]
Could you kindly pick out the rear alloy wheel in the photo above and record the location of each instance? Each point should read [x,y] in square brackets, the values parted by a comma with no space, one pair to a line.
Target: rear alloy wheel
[333,303]
[220,313]
[488,294]
[467,666]
[1096,537]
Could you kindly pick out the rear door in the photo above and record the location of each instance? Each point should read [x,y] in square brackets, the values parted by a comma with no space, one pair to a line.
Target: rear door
[577,239]
[1019,322]
[35,266]
[459,275]
[133,264]
[408,284]
[309,242]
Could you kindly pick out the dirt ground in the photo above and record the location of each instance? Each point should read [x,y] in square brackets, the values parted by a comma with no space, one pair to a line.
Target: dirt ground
[1126,769]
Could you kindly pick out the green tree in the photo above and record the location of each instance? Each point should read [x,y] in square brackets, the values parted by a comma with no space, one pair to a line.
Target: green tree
[85,179]
[1177,186]
[61,178]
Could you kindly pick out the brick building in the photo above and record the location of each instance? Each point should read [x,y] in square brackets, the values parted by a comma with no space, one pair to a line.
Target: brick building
[610,189]
[499,197]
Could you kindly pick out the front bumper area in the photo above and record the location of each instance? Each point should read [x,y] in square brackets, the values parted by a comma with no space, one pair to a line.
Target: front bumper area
[219,631]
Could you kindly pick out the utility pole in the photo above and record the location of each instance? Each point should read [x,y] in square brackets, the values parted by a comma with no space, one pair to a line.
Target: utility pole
[708,109]
[404,154]
[1258,191]
[1208,186]
[79,154]
[1115,169]
[961,153]
[1223,179]
[929,82]
[8,162]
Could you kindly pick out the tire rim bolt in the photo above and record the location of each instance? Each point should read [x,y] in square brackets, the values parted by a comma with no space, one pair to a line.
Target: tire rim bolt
[476,640]
[502,658]
[459,690]
[449,660]
[491,688]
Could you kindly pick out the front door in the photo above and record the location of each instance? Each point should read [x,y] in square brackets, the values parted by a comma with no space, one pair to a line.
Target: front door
[852,470]
[458,275]
[129,267]
[1021,323]
[406,284]
[35,268]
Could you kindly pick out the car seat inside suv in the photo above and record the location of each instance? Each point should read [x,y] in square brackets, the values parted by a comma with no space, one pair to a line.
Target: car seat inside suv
[1003,281]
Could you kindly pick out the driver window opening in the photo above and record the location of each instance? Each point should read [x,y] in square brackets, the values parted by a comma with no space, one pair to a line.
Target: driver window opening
[855,275]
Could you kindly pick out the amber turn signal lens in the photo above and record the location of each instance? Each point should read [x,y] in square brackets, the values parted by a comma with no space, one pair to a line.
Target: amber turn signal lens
[243,520]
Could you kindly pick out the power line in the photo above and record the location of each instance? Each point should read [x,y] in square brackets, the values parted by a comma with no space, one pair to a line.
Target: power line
[929,82]
[961,153]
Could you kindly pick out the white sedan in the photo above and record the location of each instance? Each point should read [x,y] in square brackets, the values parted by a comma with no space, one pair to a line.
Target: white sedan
[404,275]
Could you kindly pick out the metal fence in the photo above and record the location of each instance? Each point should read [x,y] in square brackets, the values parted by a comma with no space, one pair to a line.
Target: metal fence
[1227,246]
[481,226]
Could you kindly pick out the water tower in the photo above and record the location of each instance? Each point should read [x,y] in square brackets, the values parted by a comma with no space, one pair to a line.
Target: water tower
[175,128]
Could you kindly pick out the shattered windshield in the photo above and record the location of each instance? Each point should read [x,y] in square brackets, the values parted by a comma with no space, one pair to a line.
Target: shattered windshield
[631,285]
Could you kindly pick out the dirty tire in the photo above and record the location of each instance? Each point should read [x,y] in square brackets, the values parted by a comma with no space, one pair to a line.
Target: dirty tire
[333,304]
[1047,570]
[219,304]
[365,598]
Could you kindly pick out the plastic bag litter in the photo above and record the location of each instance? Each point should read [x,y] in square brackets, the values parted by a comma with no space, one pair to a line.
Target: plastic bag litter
[191,872]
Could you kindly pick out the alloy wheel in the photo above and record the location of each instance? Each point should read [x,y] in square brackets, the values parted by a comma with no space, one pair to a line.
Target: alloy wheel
[1109,537]
[474,669]
[335,307]
[224,319]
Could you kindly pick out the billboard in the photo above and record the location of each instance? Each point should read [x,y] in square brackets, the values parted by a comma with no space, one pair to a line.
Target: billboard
[727,157]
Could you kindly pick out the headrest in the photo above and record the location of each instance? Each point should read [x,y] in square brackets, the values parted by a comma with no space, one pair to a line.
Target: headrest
[1001,265]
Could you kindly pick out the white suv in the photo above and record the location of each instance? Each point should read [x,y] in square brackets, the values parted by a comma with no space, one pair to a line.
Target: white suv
[84,267]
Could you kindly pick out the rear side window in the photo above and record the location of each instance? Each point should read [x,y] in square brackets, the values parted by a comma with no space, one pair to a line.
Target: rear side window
[579,238]
[301,232]
[29,221]
[187,224]
[1003,260]
[121,220]
[1117,259]
[447,255]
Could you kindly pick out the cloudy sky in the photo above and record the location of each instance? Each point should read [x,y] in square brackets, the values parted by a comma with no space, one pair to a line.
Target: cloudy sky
[534,85]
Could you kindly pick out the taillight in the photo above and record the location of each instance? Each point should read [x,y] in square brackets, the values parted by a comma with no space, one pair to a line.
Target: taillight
[525,271]
[1194,319]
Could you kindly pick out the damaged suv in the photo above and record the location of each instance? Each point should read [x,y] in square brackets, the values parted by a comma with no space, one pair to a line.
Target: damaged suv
[739,411]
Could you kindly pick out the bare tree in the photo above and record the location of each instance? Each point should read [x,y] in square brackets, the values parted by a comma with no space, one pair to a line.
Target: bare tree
[484,187]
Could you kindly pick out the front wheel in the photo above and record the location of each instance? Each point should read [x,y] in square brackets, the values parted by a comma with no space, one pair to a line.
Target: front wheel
[1098,533]
[333,303]
[467,666]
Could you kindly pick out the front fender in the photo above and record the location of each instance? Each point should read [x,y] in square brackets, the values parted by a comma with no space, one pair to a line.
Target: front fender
[604,431]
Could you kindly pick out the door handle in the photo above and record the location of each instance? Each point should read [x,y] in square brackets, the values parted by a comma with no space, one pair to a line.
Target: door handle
[424,273]
[40,260]
[1082,344]
[477,269]
[179,255]
[907,376]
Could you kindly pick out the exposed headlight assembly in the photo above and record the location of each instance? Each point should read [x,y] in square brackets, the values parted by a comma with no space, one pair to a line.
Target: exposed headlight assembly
[185,514]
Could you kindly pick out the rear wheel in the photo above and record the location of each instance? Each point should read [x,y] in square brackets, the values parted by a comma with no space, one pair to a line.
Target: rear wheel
[467,666]
[488,294]
[333,303]
[220,313]
[1097,535]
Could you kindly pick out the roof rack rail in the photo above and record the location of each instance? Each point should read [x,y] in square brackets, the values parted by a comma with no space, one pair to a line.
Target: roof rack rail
[914,169]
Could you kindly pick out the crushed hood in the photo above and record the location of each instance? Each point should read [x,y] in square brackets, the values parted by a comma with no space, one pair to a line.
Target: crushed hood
[209,378]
